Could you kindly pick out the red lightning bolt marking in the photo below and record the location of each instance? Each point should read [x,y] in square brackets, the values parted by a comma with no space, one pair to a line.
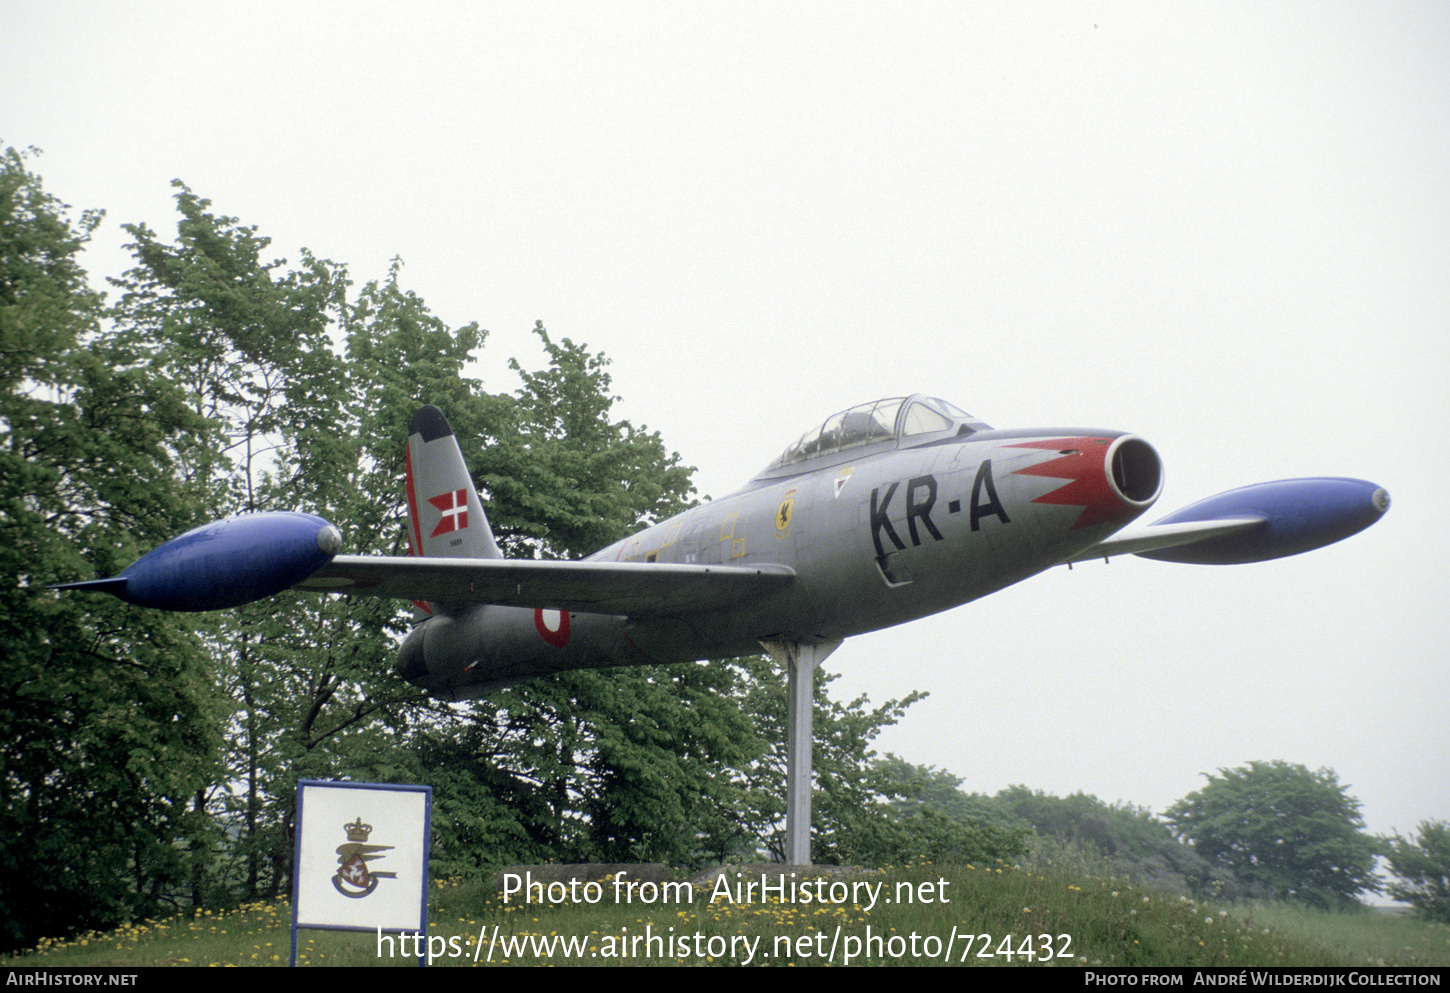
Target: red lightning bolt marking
[1087,485]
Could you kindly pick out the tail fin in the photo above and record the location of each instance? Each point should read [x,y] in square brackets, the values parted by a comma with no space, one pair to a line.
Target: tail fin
[445,516]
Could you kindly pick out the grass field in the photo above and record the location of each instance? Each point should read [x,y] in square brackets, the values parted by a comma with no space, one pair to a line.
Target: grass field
[922,915]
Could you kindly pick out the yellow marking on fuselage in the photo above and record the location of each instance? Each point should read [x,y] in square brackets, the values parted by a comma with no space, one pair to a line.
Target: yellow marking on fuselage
[737,545]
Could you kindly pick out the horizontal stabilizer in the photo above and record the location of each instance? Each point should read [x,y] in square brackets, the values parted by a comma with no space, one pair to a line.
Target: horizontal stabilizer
[636,589]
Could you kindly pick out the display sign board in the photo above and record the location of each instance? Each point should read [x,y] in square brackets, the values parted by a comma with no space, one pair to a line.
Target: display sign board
[362,857]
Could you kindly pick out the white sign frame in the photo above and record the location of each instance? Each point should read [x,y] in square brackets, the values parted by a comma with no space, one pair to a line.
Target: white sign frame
[361,858]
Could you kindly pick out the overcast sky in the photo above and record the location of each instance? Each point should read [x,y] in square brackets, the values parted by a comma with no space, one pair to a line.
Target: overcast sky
[1225,227]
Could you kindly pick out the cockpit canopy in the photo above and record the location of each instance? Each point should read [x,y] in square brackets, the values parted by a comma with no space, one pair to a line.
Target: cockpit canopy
[907,419]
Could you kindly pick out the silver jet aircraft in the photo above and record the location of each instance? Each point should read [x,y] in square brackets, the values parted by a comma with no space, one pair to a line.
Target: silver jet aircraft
[881,514]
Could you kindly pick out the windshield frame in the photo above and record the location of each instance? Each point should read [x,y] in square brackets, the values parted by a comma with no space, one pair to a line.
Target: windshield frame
[899,421]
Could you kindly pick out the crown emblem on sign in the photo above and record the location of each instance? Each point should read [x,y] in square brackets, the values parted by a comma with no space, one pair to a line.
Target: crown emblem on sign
[357,830]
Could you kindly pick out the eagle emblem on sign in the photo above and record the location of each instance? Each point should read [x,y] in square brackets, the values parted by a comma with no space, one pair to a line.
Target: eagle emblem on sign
[353,878]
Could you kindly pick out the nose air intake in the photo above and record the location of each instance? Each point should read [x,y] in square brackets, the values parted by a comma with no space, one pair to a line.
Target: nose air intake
[1136,471]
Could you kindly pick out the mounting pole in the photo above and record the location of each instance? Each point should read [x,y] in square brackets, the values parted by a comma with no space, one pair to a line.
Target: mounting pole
[800,660]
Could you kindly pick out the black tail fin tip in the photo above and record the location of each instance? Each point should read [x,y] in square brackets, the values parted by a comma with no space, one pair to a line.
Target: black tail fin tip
[430,423]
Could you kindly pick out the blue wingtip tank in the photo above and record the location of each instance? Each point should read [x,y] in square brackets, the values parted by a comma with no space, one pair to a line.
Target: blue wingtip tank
[1299,515]
[226,563]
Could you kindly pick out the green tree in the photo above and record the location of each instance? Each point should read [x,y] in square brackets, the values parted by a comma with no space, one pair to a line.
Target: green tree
[852,821]
[942,790]
[1422,868]
[941,822]
[1294,833]
[582,764]
[569,479]
[254,345]
[629,764]
[1082,832]
[111,721]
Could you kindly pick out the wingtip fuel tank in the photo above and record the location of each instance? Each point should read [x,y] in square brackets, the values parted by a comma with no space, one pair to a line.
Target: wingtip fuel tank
[226,563]
[1299,515]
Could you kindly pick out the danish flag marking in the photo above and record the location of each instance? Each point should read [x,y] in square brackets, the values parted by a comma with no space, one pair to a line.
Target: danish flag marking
[454,508]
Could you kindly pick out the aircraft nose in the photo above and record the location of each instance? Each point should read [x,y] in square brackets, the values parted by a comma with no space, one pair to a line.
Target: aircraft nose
[1109,478]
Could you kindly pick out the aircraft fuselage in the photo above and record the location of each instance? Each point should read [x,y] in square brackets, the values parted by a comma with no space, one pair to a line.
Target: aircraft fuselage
[877,536]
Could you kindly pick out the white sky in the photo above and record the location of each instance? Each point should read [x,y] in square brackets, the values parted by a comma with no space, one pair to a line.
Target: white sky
[1225,227]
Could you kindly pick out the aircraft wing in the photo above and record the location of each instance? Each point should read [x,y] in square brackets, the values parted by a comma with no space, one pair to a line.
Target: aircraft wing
[1165,536]
[635,589]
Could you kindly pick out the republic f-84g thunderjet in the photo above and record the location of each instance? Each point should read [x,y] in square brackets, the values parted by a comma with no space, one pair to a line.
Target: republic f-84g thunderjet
[881,514]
